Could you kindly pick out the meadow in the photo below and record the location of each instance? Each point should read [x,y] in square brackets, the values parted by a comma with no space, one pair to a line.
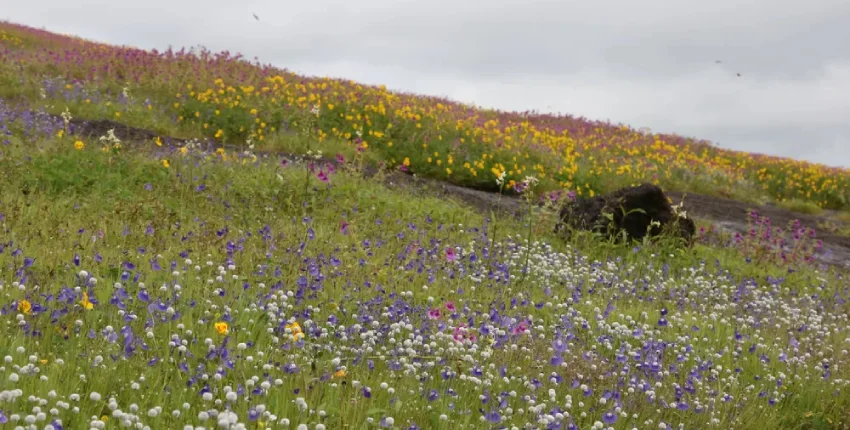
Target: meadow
[163,285]
[227,98]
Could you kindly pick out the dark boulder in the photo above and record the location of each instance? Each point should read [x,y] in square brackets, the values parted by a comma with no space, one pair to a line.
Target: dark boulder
[632,210]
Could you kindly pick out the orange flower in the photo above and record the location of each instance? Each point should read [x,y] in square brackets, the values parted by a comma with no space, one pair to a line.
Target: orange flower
[221,328]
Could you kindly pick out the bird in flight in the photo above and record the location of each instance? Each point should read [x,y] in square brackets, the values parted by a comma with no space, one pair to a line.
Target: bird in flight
[739,75]
[717,61]
[256,17]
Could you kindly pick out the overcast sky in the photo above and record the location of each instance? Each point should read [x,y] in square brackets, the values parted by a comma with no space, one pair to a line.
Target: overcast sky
[644,63]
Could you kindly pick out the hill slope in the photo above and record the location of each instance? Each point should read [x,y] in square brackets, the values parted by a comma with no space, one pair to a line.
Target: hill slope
[231,100]
[153,280]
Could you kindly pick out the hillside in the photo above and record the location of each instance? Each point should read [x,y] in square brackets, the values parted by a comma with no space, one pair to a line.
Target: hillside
[231,100]
[191,240]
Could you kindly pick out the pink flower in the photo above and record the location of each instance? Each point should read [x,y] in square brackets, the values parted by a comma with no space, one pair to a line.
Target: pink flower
[323,176]
[434,314]
[451,306]
[458,334]
[343,227]
[461,333]
[340,159]
[520,328]
[450,255]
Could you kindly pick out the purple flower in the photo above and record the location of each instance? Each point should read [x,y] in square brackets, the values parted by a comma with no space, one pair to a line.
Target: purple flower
[609,418]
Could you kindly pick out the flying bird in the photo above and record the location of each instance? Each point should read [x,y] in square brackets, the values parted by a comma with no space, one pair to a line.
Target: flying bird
[256,17]
[717,61]
[739,75]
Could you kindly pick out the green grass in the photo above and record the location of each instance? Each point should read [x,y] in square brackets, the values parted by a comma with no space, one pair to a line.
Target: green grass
[102,207]
[366,272]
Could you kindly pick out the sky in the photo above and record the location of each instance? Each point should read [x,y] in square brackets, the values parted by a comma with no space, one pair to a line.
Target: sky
[648,64]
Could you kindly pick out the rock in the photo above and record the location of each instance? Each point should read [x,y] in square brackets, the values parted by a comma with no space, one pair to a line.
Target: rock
[632,210]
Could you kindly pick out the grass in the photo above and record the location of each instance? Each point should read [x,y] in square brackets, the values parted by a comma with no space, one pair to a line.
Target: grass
[165,287]
[230,100]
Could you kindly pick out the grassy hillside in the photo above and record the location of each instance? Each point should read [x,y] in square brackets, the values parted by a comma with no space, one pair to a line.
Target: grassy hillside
[225,97]
[151,285]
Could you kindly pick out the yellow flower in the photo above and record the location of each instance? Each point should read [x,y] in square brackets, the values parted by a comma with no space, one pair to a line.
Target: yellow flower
[221,328]
[117,114]
[85,302]
[165,163]
[184,150]
[25,306]
[61,133]
[219,133]
[340,373]
[79,145]
[158,141]
[295,329]
[406,162]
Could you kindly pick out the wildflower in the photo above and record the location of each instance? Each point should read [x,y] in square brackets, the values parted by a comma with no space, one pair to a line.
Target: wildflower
[340,373]
[450,255]
[295,330]
[165,164]
[157,141]
[221,328]
[25,306]
[434,313]
[66,116]
[85,301]
[79,145]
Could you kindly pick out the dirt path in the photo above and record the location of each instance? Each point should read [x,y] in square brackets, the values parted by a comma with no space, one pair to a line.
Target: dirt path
[725,214]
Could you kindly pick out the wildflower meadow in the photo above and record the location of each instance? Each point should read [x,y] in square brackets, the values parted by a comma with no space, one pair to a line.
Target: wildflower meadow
[223,274]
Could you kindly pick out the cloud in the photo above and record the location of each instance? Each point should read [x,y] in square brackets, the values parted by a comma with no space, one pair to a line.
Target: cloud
[646,64]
